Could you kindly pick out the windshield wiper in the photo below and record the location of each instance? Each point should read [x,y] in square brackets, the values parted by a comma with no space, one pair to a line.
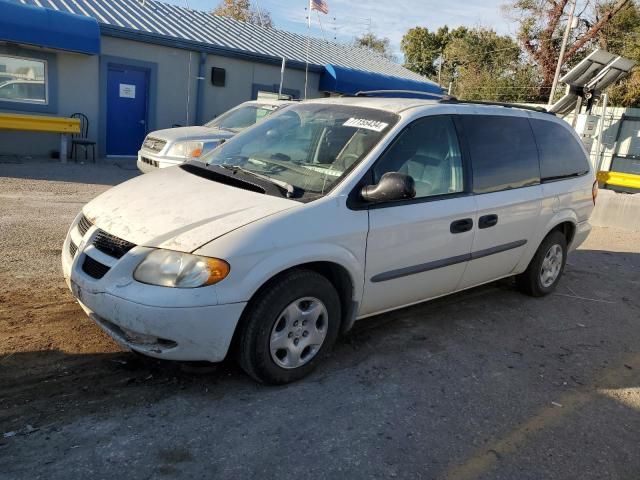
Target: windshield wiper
[291,191]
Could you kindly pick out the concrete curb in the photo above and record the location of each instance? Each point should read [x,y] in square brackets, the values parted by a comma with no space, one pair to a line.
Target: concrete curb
[617,210]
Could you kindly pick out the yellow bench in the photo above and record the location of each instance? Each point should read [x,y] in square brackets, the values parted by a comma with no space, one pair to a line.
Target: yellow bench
[42,123]
[618,179]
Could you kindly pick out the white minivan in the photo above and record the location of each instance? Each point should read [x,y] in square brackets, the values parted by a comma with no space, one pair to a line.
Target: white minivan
[325,213]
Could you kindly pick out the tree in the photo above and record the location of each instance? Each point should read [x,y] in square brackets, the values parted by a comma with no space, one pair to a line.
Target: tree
[372,42]
[423,49]
[622,37]
[542,25]
[481,64]
[486,66]
[243,11]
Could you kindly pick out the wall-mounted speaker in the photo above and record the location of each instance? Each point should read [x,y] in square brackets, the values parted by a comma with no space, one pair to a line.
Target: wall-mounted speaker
[218,76]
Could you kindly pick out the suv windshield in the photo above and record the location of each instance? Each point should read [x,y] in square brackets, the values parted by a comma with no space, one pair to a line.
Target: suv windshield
[309,146]
[243,117]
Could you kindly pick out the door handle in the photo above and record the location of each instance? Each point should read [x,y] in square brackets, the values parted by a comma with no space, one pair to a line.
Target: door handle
[488,221]
[461,226]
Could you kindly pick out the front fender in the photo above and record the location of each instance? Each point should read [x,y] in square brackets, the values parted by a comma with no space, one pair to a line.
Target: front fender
[252,271]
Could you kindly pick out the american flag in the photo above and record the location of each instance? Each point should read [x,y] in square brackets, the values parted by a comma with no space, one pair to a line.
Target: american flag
[319,5]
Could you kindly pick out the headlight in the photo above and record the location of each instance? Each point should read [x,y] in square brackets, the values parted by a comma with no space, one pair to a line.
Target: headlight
[167,268]
[186,149]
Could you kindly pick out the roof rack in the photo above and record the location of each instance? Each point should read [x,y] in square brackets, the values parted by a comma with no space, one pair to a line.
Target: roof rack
[381,93]
[443,98]
[498,104]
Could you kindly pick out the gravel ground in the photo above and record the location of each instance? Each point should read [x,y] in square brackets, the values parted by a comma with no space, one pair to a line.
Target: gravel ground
[486,384]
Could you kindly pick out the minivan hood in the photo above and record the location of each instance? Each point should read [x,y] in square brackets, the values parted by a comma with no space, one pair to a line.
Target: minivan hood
[191,133]
[174,209]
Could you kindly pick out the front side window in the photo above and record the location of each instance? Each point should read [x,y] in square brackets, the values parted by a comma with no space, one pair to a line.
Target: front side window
[309,146]
[561,155]
[503,152]
[428,151]
[23,80]
[243,117]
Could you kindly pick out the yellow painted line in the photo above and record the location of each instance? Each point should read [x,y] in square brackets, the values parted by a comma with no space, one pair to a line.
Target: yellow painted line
[619,179]
[483,460]
[39,123]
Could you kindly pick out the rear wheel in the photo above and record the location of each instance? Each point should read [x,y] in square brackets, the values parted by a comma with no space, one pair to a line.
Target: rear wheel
[289,327]
[543,273]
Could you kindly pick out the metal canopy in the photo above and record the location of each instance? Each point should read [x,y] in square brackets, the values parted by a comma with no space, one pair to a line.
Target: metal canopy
[350,81]
[590,77]
[27,25]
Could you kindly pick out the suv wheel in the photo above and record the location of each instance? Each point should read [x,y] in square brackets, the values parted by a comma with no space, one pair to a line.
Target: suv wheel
[543,273]
[289,327]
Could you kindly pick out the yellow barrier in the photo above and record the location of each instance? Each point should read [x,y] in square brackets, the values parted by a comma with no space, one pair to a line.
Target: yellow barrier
[39,123]
[618,179]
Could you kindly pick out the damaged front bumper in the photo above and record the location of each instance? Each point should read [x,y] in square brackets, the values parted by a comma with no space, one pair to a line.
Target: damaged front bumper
[161,322]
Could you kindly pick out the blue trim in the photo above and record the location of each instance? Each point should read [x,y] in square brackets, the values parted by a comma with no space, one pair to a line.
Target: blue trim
[349,81]
[49,28]
[273,88]
[151,67]
[200,90]
[146,37]
[51,81]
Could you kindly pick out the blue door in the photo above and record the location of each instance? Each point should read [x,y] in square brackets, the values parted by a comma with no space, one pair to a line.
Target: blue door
[127,90]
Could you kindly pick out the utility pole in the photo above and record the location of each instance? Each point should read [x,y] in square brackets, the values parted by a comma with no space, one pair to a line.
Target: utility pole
[563,48]
[440,67]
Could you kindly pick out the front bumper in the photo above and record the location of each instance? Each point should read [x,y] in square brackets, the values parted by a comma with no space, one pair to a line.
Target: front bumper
[167,323]
[150,162]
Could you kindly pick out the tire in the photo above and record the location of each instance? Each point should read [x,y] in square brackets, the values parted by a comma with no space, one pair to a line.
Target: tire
[533,281]
[269,321]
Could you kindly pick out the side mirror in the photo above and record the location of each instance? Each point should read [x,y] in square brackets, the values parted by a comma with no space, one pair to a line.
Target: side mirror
[392,186]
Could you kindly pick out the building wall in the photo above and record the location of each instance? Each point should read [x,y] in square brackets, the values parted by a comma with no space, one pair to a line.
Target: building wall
[173,85]
[79,88]
[74,89]
[241,76]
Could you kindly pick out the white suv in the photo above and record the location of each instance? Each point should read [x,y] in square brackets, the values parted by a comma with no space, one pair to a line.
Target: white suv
[325,213]
[173,146]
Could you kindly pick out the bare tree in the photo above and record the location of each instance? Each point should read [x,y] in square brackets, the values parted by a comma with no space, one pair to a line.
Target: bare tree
[541,23]
[243,11]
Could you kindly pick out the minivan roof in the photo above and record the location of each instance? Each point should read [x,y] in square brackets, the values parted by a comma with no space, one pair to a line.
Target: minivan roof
[397,105]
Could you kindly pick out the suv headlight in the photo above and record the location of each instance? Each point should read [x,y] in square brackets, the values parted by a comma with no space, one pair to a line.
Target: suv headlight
[186,149]
[167,268]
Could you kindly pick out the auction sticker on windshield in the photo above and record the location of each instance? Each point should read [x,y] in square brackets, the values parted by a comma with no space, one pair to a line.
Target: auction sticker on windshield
[367,124]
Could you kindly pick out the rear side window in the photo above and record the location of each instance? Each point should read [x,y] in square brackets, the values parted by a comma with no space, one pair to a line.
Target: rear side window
[503,152]
[561,155]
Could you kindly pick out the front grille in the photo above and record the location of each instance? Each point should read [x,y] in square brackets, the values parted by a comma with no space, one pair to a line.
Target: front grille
[73,249]
[154,144]
[84,225]
[111,245]
[148,161]
[94,268]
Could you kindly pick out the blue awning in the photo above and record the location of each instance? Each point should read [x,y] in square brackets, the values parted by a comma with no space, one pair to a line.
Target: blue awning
[44,27]
[349,81]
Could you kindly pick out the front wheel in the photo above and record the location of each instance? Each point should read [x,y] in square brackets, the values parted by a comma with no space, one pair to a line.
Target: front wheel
[289,327]
[543,273]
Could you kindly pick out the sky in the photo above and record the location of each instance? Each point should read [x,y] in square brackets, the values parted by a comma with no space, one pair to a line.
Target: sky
[386,18]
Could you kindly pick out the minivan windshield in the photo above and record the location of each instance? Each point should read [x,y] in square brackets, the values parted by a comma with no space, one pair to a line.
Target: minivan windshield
[242,117]
[309,146]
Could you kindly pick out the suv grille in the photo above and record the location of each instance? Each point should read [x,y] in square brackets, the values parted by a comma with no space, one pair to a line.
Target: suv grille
[111,245]
[73,249]
[94,268]
[84,225]
[154,144]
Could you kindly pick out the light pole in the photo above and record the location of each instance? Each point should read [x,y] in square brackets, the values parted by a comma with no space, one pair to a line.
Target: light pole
[563,48]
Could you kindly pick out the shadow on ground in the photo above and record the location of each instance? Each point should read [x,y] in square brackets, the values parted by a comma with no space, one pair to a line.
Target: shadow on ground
[100,173]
